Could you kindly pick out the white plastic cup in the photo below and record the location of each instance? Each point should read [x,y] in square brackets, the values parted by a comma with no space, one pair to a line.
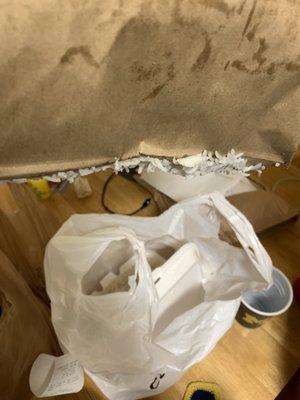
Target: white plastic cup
[258,306]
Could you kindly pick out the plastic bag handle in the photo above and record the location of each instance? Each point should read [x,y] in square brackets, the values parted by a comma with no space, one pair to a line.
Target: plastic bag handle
[120,233]
[245,233]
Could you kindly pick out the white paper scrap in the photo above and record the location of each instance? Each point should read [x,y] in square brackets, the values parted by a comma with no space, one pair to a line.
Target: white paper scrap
[51,376]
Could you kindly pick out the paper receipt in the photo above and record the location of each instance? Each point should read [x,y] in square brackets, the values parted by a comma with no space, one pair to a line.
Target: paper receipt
[51,376]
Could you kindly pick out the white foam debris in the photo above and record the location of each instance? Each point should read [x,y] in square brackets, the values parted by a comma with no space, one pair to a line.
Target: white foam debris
[196,165]
[18,180]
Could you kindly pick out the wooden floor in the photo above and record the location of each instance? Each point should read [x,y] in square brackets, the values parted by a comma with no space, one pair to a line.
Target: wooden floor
[246,364]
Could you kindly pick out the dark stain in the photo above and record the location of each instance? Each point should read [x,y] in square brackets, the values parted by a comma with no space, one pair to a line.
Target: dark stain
[115,14]
[16,70]
[204,55]
[250,35]
[171,72]
[154,92]
[241,66]
[145,73]
[292,67]
[250,15]
[85,53]
[158,88]
[168,54]
[226,65]
[258,55]
[274,138]
[241,7]
[219,5]
[271,69]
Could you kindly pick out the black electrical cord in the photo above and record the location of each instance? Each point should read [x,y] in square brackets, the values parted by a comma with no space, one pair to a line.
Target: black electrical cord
[144,205]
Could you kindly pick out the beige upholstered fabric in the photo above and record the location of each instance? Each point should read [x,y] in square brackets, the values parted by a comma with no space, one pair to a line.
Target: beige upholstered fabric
[85,81]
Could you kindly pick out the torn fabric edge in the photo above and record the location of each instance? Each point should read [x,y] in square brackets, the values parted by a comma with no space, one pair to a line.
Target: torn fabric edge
[196,165]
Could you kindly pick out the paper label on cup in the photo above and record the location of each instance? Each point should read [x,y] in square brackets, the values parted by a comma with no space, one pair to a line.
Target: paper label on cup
[51,376]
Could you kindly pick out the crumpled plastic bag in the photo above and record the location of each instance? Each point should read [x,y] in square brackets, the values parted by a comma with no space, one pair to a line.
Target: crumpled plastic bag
[140,340]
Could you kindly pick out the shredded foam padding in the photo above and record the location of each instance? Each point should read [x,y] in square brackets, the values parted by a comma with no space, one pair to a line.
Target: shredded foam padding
[196,165]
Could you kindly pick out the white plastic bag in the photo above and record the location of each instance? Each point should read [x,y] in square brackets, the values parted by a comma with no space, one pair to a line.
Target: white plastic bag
[138,342]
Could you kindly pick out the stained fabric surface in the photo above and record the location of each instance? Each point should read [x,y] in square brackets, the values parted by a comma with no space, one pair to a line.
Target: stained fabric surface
[83,82]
